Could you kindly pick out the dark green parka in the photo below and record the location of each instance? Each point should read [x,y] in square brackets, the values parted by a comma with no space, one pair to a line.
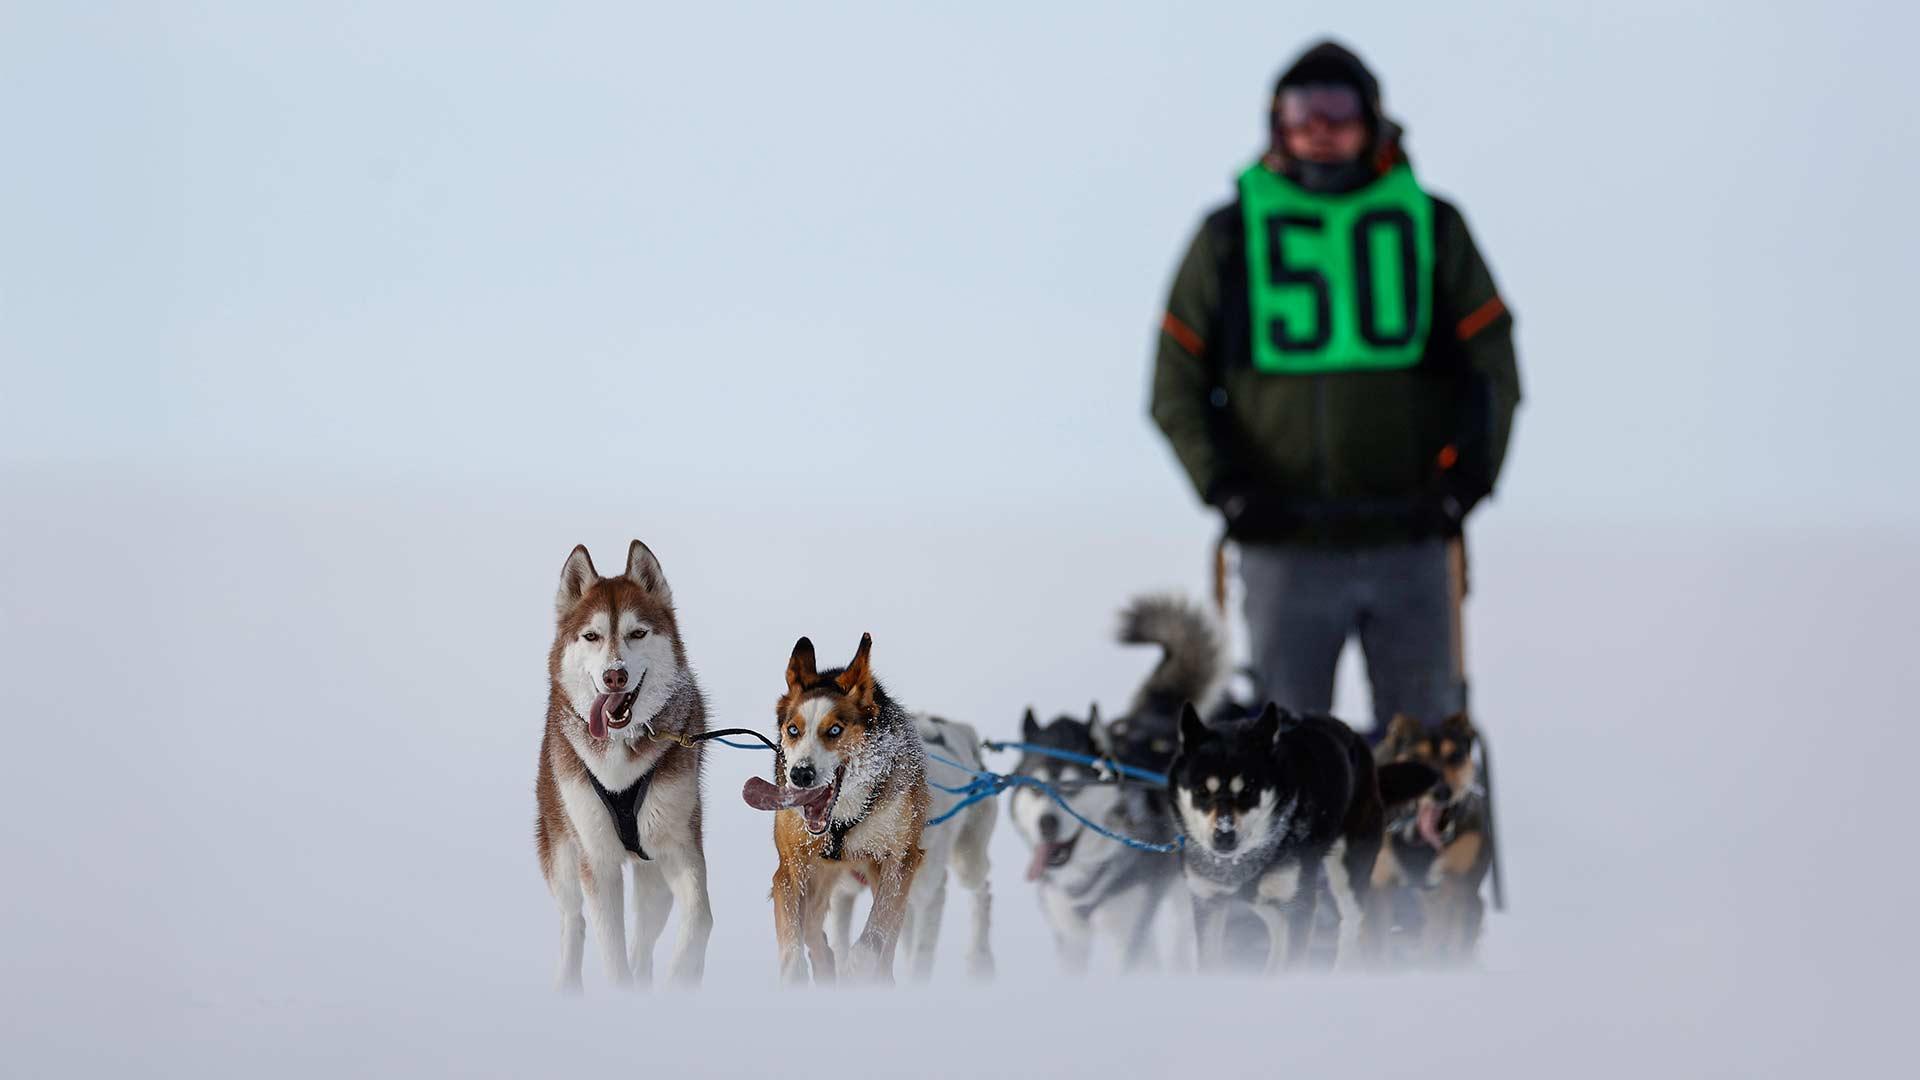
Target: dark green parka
[1344,457]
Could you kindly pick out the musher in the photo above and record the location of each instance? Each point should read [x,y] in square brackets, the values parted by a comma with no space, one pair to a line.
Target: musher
[1336,374]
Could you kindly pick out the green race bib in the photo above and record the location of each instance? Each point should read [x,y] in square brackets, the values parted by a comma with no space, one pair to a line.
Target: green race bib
[1338,282]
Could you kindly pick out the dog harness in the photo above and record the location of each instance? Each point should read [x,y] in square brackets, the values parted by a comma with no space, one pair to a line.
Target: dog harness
[837,838]
[837,831]
[625,807]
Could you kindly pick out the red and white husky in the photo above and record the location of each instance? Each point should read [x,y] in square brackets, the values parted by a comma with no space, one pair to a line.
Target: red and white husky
[614,793]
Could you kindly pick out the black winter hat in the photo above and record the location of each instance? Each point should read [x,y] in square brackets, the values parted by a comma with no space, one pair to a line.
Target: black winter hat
[1329,62]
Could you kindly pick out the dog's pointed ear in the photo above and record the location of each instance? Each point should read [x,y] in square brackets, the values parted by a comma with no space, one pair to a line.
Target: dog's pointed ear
[1029,726]
[1098,732]
[859,669]
[1193,730]
[643,569]
[800,669]
[1403,733]
[576,577]
[1458,728]
[1267,727]
[857,679]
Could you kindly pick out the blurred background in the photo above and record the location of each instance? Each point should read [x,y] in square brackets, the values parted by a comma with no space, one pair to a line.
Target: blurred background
[327,330]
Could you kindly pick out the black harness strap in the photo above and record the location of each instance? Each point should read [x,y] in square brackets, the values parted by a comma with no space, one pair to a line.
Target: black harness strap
[836,838]
[690,740]
[625,805]
[837,831]
[625,808]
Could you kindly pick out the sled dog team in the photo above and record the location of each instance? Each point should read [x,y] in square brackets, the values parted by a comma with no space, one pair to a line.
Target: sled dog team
[1278,811]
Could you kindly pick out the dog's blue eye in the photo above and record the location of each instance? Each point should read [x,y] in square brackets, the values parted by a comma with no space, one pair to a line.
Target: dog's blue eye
[793,731]
[833,732]
[591,635]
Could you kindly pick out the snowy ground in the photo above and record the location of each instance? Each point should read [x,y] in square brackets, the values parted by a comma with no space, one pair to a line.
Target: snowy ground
[268,799]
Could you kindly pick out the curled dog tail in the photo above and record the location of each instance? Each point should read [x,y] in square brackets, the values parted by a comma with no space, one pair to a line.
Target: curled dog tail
[1191,654]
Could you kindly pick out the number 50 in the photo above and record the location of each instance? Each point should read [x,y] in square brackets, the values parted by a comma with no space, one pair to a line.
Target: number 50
[1396,221]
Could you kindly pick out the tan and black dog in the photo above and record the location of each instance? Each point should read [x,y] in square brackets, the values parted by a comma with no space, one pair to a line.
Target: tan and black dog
[850,791]
[1439,852]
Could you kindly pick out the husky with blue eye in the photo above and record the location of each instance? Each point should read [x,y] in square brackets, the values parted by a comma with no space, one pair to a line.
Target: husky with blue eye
[849,796]
[1274,809]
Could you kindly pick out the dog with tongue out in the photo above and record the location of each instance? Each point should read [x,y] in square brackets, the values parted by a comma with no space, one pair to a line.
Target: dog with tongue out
[615,794]
[849,795]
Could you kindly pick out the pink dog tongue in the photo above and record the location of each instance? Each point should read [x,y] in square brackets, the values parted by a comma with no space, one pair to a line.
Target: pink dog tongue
[761,794]
[1041,853]
[764,795]
[1428,822]
[597,715]
[814,813]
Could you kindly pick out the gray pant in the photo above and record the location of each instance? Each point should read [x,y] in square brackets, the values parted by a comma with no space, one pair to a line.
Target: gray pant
[1402,599]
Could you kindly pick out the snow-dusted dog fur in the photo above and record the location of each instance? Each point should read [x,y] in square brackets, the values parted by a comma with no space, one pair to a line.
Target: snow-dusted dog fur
[959,843]
[850,798]
[618,672]
[1273,808]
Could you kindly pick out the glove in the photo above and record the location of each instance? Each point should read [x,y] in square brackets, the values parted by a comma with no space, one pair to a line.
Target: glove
[1233,499]
[1461,485]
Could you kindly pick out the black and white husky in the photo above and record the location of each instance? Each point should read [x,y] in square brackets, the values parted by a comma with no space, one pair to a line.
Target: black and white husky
[1091,886]
[1275,809]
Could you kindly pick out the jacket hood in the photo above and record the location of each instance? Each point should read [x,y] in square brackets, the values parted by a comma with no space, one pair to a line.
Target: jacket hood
[1331,62]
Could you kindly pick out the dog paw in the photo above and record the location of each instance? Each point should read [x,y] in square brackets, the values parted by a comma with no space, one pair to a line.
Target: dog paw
[867,965]
[793,968]
[686,976]
[980,967]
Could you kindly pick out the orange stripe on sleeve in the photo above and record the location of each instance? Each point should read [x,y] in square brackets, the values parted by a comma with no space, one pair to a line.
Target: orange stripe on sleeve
[1183,335]
[1482,315]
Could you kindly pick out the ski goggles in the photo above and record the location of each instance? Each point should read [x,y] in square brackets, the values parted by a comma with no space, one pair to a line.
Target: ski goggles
[1330,103]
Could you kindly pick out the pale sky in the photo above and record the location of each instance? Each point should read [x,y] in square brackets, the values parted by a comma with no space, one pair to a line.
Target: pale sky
[742,248]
